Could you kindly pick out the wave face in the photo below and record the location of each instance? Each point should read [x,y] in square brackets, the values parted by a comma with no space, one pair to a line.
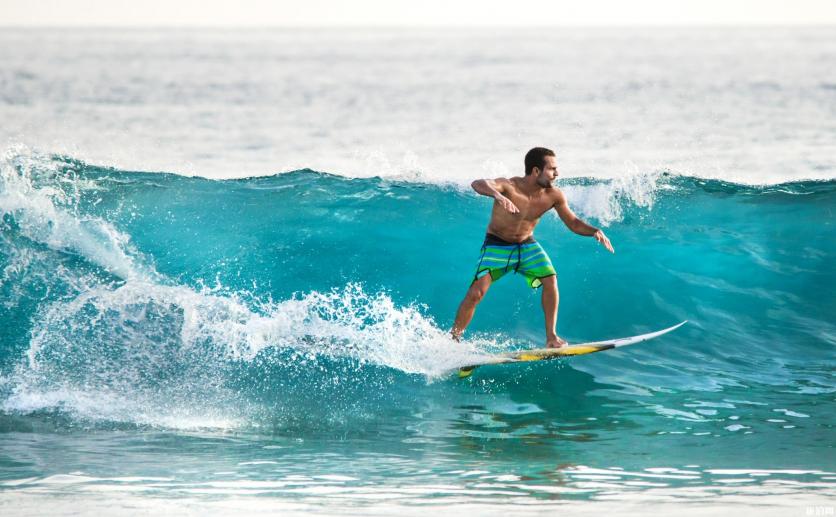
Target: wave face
[307,304]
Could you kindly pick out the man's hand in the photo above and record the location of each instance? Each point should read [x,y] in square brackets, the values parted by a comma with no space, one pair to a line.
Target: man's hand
[506,203]
[600,237]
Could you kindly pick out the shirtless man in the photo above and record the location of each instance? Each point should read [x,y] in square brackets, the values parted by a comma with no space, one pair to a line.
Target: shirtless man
[519,203]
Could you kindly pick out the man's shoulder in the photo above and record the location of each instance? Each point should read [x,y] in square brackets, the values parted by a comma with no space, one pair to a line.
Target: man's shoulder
[504,185]
[558,192]
[557,195]
[513,181]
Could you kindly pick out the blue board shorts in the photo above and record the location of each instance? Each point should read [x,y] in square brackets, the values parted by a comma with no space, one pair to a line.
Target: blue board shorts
[527,258]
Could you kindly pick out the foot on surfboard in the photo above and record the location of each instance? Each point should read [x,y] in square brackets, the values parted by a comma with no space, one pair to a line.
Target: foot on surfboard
[556,342]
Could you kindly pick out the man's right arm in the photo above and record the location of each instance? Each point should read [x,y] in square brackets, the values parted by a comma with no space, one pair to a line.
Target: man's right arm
[494,189]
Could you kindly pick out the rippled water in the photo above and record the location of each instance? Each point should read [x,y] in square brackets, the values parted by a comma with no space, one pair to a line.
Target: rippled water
[151,353]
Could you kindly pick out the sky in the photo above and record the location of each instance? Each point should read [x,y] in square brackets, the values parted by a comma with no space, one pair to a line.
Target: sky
[423,13]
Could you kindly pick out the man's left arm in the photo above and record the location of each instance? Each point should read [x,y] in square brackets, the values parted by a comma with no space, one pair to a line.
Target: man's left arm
[578,226]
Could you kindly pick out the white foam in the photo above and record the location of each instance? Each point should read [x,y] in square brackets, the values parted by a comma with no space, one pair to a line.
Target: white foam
[45,213]
[339,323]
[109,370]
[106,378]
[605,202]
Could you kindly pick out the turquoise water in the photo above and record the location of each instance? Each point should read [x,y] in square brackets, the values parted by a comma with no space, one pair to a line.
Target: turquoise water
[285,337]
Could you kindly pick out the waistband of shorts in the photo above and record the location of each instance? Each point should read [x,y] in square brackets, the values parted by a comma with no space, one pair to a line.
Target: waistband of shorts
[493,240]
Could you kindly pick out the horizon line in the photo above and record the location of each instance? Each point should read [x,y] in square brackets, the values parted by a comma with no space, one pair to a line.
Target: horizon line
[695,25]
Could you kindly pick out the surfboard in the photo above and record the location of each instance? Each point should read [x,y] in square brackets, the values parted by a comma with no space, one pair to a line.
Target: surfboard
[545,354]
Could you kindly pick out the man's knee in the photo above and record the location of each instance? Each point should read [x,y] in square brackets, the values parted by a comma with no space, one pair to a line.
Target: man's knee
[476,292]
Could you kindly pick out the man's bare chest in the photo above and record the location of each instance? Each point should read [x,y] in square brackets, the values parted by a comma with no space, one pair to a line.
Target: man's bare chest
[531,207]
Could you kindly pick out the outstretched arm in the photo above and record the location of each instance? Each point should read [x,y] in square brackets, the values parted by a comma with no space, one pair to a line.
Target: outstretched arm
[578,226]
[494,188]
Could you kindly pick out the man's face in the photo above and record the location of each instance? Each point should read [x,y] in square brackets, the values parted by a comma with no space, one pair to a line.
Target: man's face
[548,173]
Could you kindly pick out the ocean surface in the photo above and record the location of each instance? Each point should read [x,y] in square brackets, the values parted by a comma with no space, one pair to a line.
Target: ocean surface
[229,261]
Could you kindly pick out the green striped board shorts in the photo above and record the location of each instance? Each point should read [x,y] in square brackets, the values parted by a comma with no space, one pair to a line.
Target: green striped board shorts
[527,258]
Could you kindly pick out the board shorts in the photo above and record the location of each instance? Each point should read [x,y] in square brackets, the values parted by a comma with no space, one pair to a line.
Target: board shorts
[527,258]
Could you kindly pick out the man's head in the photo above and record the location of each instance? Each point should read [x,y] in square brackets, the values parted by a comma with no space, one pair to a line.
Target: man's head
[542,163]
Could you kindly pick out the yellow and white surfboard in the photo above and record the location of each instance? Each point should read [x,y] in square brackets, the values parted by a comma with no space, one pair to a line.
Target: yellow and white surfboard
[544,354]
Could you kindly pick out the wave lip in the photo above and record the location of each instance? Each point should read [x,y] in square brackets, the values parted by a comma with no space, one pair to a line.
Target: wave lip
[41,195]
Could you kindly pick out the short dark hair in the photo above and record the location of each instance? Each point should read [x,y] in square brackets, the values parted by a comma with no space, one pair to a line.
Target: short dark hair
[536,158]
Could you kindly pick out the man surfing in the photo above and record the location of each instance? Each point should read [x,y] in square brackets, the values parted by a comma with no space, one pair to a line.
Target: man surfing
[509,246]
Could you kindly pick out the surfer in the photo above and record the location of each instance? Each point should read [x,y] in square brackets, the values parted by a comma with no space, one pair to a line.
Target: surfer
[519,203]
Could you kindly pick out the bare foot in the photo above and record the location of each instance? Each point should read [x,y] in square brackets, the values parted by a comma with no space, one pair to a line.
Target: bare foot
[555,342]
[457,336]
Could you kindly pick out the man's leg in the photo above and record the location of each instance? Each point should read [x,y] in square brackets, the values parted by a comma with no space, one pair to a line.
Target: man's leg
[474,295]
[550,299]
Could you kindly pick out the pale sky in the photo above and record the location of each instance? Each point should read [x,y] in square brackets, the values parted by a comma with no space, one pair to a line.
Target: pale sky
[424,13]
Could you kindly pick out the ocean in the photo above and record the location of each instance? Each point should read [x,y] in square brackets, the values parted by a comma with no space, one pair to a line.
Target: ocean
[230,259]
